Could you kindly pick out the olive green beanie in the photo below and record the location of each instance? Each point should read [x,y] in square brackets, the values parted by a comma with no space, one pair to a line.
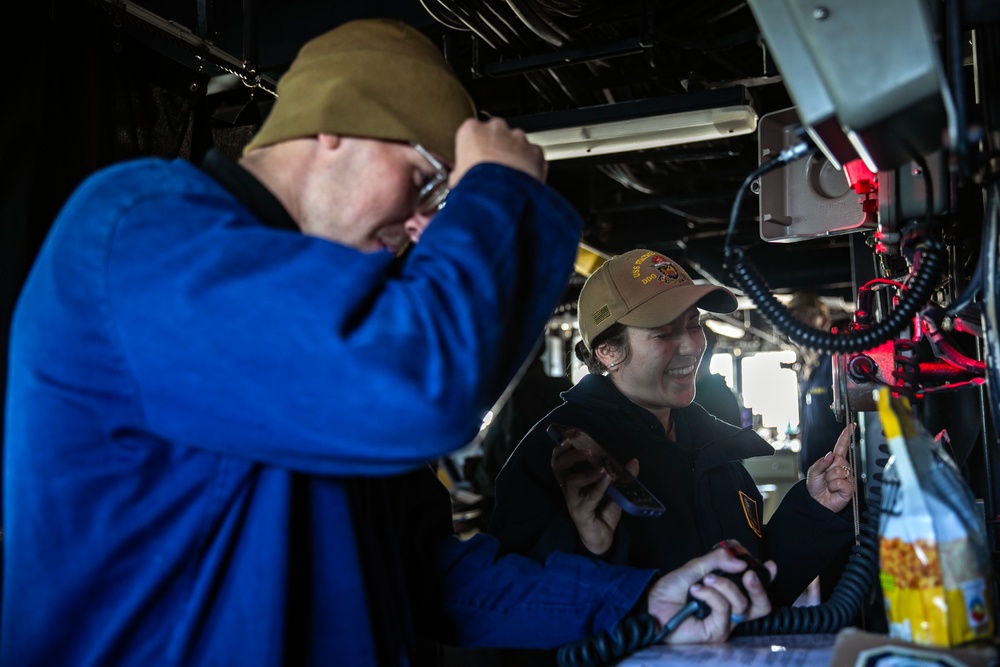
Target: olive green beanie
[372,78]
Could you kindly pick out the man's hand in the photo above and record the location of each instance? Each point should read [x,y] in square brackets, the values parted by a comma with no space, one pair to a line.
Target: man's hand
[493,141]
[829,479]
[723,597]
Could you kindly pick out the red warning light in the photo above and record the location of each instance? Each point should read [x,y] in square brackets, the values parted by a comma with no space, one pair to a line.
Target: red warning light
[862,179]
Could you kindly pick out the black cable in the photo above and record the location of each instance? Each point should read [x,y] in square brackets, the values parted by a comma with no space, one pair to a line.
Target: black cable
[637,631]
[786,156]
[975,286]
[862,568]
[624,638]
[906,368]
[861,572]
[845,603]
[848,597]
[927,262]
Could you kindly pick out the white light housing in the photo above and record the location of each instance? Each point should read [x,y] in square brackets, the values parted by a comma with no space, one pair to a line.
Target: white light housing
[641,133]
[725,329]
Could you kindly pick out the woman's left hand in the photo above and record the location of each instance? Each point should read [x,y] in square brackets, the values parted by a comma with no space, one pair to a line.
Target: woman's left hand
[830,479]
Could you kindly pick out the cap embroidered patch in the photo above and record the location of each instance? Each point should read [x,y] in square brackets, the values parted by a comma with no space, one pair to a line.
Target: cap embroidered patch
[669,272]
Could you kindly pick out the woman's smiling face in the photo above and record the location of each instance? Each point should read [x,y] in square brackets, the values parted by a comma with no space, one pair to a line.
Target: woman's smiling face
[662,363]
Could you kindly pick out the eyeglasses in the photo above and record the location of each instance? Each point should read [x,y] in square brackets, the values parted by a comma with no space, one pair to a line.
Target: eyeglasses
[434,191]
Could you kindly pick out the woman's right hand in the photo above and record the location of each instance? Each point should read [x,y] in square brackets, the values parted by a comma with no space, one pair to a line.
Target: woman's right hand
[576,463]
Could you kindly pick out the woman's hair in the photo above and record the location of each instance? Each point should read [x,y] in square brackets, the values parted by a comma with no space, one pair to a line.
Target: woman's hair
[615,336]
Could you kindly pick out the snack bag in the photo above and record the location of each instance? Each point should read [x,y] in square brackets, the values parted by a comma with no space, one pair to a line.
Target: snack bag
[935,571]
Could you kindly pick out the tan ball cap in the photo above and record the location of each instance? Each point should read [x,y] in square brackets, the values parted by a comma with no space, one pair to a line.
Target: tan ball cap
[643,288]
[372,78]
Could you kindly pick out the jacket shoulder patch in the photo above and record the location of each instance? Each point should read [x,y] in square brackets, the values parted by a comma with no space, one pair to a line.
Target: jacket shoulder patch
[750,511]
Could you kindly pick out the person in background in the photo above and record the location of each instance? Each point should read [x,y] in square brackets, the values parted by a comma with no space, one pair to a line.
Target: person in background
[711,390]
[817,420]
[227,379]
[642,342]
[535,395]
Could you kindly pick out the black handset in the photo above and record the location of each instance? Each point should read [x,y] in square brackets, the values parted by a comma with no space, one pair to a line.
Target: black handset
[625,490]
[639,630]
[735,549]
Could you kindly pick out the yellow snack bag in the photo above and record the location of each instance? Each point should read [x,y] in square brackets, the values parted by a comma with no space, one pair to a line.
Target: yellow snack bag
[933,555]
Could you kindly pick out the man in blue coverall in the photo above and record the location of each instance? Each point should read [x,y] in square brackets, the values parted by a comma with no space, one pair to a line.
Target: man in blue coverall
[226,380]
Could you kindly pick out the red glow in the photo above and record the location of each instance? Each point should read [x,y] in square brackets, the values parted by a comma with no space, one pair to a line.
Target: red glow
[862,179]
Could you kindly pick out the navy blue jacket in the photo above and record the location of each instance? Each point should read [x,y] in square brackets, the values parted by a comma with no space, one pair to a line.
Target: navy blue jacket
[708,493]
[218,430]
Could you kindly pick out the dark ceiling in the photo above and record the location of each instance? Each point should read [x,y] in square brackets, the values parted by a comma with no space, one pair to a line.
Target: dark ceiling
[523,58]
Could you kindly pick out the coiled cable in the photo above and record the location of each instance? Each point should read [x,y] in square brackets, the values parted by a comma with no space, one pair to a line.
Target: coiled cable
[848,596]
[853,588]
[847,599]
[927,266]
[906,371]
[624,638]
[929,257]
[861,572]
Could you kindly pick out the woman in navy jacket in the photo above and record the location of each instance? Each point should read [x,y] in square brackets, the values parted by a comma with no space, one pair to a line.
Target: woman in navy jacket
[643,342]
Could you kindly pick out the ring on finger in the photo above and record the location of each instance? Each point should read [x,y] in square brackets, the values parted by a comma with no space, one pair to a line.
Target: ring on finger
[736,619]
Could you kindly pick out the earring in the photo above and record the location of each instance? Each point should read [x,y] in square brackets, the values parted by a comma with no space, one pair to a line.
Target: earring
[614,363]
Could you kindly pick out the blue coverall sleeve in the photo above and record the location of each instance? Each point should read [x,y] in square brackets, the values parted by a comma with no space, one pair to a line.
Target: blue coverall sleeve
[527,604]
[295,351]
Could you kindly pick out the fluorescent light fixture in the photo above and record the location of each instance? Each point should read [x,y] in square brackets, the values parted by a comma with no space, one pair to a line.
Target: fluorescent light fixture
[725,329]
[636,125]
[642,133]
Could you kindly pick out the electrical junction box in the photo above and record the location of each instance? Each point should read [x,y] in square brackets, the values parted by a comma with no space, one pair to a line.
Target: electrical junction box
[871,68]
[809,198]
